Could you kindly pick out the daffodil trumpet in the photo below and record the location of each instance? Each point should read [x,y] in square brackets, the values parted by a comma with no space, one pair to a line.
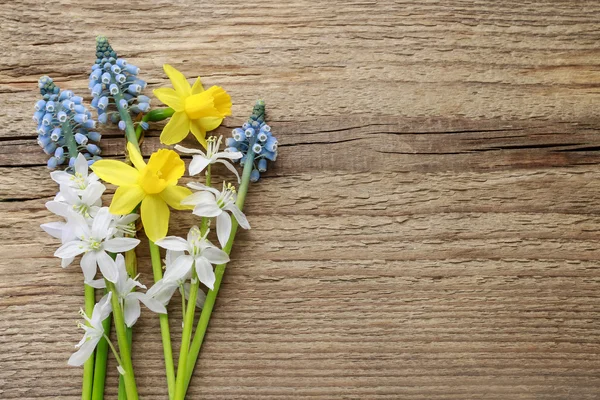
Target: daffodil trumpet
[195,110]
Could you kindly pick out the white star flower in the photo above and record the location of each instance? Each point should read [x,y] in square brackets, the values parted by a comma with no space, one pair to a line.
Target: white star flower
[129,299]
[201,254]
[164,289]
[93,243]
[86,202]
[80,179]
[124,224]
[200,160]
[209,202]
[93,333]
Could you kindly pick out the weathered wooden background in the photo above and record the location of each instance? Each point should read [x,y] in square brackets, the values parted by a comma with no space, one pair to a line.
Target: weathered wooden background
[430,230]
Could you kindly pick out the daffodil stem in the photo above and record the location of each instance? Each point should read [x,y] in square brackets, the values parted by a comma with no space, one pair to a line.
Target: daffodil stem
[100,363]
[125,117]
[164,322]
[211,296]
[88,367]
[124,348]
[158,114]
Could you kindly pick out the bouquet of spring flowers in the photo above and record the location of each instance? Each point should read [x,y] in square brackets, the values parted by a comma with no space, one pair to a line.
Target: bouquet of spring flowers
[103,238]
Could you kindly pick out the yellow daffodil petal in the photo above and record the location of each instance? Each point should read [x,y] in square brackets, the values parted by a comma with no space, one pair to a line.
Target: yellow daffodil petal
[199,132]
[170,97]
[200,105]
[221,99]
[173,196]
[197,88]
[209,123]
[180,84]
[155,217]
[168,165]
[176,130]
[135,157]
[126,198]
[115,172]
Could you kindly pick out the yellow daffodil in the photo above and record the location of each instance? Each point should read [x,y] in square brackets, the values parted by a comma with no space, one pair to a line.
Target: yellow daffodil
[196,110]
[153,184]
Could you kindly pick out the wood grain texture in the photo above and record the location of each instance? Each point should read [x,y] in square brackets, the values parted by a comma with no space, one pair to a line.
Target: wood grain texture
[430,230]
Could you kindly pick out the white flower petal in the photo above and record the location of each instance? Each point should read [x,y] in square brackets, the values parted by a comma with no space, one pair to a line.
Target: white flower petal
[198,164]
[92,193]
[223,228]
[131,310]
[179,269]
[205,272]
[162,291]
[107,266]
[102,309]
[81,165]
[232,155]
[61,177]
[215,256]
[101,223]
[58,208]
[189,151]
[199,197]
[200,186]
[231,168]
[88,265]
[70,249]
[66,262]
[239,216]
[152,304]
[96,283]
[173,243]
[119,245]
[54,229]
[207,210]
[85,351]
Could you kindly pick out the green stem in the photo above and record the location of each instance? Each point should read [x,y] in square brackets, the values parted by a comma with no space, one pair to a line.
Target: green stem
[158,114]
[126,117]
[131,267]
[186,336]
[130,386]
[88,367]
[211,296]
[122,394]
[100,363]
[69,139]
[164,322]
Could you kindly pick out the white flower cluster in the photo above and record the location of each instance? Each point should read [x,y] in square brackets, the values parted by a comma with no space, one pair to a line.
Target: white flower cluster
[90,230]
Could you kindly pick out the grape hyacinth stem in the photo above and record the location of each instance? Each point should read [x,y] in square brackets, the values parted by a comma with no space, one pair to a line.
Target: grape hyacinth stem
[124,113]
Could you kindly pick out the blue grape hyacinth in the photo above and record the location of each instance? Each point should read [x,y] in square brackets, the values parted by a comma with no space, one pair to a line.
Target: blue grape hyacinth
[64,125]
[115,86]
[254,138]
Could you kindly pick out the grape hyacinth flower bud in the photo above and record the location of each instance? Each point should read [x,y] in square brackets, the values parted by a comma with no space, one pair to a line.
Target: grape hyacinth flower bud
[116,88]
[254,137]
[63,123]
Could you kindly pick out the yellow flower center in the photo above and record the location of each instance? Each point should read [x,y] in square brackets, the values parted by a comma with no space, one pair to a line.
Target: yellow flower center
[200,105]
[164,169]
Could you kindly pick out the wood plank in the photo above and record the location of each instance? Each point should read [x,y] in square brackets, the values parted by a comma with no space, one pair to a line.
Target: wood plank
[429,231]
